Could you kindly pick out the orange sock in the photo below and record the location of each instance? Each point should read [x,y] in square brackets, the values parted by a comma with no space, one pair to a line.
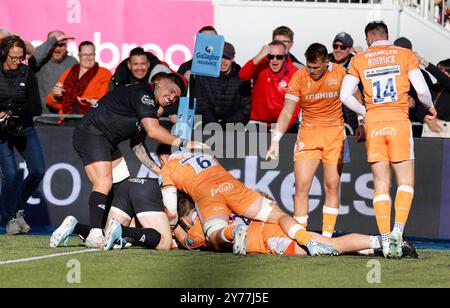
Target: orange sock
[301,236]
[403,203]
[330,216]
[228,233]
[382,206]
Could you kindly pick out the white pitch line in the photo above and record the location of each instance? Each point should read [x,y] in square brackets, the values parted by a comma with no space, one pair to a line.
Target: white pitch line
[48,256]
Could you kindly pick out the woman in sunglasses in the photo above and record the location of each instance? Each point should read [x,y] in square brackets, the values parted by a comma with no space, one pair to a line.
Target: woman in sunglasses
[19,103]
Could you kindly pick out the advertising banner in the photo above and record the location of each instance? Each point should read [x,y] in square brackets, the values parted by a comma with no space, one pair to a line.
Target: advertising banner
[65,189]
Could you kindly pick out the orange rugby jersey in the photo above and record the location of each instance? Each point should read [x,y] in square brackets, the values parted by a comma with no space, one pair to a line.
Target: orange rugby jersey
[383,70]
[194,174]
[319,100]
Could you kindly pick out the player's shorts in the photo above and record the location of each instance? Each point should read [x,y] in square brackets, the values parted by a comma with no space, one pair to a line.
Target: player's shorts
[137,196]
[263,238]
[389,141]
[328,144]
[230,196]
[94,148]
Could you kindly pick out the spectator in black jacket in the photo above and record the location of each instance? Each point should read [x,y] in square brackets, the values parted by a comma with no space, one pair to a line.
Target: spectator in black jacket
[226,99]
[441,92]
[415,115]
[136,69]
[19,103]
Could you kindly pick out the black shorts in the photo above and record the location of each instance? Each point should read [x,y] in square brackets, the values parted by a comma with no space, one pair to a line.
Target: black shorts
[94,148]
[135,196]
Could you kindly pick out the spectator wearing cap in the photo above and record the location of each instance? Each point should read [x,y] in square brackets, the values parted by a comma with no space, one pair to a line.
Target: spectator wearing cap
[271,72]
[49,62]
[342,50]
[286,35]
[415,111]
[342,54]
[226,99]
[185,68]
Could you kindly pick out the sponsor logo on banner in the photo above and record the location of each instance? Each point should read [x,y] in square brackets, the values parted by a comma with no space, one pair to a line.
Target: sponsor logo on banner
[222,189]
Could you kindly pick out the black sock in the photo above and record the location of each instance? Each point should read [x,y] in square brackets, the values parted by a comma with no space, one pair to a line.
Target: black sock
[97,209]
[147,238]
[82,230]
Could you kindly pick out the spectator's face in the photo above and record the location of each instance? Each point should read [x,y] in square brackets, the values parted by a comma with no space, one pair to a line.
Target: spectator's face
[286,41]
[341,52]
[59,52]
[209,32]
[166,92]
[139,66]
[15,56]
[226,65]
[317,69]
[87,57]
[278,53]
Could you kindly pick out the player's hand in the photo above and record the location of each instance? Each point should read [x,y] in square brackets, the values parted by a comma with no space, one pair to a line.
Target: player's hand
[422,61]
[411,102]
[274,151]
[197,145]
[361,134]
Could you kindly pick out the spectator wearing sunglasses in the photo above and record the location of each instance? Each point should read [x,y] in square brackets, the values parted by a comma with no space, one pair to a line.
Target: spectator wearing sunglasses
[342,54]
[271,72]
[49,62]
[342,50]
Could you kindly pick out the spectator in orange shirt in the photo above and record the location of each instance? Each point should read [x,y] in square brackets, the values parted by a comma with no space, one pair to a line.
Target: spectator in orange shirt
[80,87]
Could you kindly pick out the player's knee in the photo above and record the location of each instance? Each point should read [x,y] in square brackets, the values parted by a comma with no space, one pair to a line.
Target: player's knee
[165,243]
[332,187]
[267,209]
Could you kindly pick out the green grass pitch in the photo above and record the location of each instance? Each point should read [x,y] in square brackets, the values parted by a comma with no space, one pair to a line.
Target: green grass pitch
[181,269]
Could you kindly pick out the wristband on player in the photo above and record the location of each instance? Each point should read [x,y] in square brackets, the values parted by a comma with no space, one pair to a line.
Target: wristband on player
[360,120]
[277,136]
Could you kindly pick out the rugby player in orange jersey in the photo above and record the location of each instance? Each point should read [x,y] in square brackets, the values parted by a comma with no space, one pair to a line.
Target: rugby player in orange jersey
[321,137]
[217,193]
[387,72]
[264,238]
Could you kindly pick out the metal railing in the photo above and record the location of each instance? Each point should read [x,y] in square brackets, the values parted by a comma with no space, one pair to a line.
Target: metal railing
[436,11]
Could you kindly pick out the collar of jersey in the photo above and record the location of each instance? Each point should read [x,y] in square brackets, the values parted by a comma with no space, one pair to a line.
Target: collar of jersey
[381,43]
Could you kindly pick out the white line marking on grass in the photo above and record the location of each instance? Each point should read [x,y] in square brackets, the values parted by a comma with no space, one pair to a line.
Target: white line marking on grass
[48,256]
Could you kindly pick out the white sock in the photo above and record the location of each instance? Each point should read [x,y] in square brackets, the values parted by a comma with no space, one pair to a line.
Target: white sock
[399,227]
[367,252]
[375,242]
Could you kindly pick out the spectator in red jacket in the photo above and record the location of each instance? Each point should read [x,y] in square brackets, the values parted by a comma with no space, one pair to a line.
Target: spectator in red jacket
[271,73]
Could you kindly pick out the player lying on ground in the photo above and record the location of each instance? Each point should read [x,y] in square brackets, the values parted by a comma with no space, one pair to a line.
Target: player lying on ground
[133,197]
[264,238]
[217,194]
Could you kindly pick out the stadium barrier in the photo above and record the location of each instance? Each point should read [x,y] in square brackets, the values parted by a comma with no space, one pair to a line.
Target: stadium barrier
[65,188]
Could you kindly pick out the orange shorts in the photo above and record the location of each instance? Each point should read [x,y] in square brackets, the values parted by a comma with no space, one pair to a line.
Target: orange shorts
[389,141]
[263,238]
[228,197]
[328,144]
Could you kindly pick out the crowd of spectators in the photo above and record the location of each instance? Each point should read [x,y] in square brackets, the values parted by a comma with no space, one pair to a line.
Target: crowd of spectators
[254,92]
